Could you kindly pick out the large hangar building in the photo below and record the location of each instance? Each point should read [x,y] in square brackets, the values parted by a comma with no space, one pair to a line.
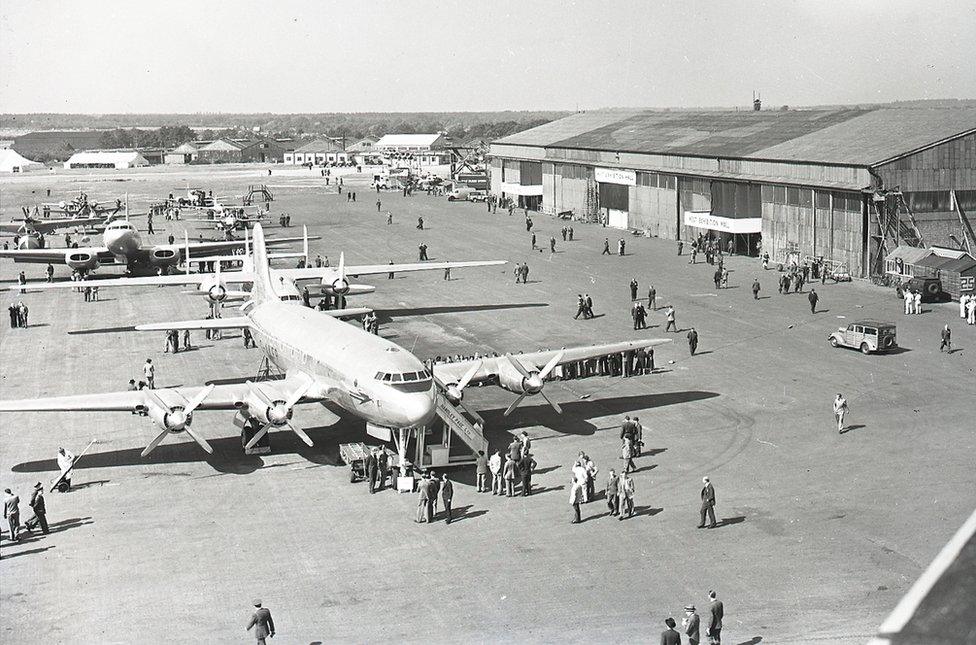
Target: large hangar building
[849,185]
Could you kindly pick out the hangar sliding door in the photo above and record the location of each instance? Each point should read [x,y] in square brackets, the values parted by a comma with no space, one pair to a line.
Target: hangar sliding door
[615,204]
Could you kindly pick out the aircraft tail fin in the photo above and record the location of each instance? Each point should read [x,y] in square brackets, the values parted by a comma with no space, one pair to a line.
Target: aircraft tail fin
[263,288]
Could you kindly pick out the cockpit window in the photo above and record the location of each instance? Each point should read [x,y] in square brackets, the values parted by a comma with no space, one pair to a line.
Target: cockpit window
[397,378]
[379,376]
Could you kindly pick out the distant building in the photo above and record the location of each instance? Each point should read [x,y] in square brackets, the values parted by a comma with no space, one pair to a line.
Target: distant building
[56,144]
[262,151]
[220,151]
[182,154]
[118,159]
[414,149]
[317,152]
[12,161]
[846,184]
[231,151]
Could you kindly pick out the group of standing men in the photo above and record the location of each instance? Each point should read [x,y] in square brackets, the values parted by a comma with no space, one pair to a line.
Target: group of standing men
[18,314]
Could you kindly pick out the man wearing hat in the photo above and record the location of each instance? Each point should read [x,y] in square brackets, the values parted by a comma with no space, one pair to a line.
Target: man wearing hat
[692,625]
[707,503]
[670,636]
[716,611]
[40,510]
[261,622]
[11,512]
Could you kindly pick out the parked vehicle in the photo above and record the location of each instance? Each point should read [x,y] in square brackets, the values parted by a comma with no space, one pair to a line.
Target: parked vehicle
[931,289]
[463,193]
[866,335]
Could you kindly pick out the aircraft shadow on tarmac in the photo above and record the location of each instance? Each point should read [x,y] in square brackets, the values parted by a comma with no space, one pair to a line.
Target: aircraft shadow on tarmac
[386,315]
[576,414]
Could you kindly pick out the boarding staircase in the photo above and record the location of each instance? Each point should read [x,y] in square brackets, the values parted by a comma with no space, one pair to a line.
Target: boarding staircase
[463,422]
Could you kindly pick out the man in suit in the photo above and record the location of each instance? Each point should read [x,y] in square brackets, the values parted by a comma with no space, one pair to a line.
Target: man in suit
[447,494]
[40,510]
[692,625]
[261,622]
[707,503]
[526,466]
[716,612]
[423,495]
[11,512]
[613,502]
[372,468]
[670,636]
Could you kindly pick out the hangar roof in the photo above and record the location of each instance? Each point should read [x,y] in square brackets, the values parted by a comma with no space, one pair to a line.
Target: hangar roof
[848,136]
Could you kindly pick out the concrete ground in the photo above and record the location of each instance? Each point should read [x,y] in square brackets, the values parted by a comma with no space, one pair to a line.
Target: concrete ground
[821,533]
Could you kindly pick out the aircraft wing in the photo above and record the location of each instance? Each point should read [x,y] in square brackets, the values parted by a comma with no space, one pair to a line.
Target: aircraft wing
[223,245]
[55,256]
[233,322]
[177,279]
[222,397]
[535,361]
[237,322]
[372,269]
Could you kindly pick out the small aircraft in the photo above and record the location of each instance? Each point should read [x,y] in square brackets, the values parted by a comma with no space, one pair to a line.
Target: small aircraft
[82,206]
[325,361]
[29,232]
[122,245]
[230,219]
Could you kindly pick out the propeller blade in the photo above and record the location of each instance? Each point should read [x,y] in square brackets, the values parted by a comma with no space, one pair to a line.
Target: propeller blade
[200,440]
[158,439]
[551,365]
[301,434]
[555,406]
[517,364]
[194,403]
[514,404]
[258,392]
[257,437]
[186,242]
[469,375]
[297,394]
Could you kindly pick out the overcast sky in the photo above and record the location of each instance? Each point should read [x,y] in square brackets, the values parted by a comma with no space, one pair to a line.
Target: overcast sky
[405,55]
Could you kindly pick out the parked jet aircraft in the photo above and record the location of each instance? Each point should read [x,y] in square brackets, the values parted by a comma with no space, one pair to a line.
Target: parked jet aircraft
[323,360]
[122,245]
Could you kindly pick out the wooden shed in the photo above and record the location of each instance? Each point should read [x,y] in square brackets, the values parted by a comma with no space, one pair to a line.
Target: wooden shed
[959,276]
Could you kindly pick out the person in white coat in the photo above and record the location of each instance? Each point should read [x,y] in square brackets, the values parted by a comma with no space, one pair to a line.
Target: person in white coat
[963,301]
[971,310]
[918,301]
[909,300]
[65,461]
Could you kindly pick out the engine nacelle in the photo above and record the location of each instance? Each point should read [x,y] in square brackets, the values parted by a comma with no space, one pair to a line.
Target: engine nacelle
[81,259]
[515,382]
[453,393]
[164,256]
[339,286]
[351,289]
[173,419]
[276,414]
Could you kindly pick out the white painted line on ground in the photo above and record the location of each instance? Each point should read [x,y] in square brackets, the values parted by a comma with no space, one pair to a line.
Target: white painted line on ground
[906,608]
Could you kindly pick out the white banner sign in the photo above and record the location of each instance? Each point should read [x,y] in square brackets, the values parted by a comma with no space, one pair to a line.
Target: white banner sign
[723,224]
[616,176]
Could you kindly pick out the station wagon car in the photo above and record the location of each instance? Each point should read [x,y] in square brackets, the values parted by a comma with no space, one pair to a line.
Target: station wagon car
[866,335]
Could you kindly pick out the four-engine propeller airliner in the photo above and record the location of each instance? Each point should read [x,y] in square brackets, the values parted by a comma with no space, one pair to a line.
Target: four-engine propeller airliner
[122,245]
[324,360]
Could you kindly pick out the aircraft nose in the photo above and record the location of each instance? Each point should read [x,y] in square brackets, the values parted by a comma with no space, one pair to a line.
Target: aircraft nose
[418,411]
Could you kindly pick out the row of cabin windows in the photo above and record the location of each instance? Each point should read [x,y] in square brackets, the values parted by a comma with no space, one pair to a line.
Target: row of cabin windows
[406,377]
